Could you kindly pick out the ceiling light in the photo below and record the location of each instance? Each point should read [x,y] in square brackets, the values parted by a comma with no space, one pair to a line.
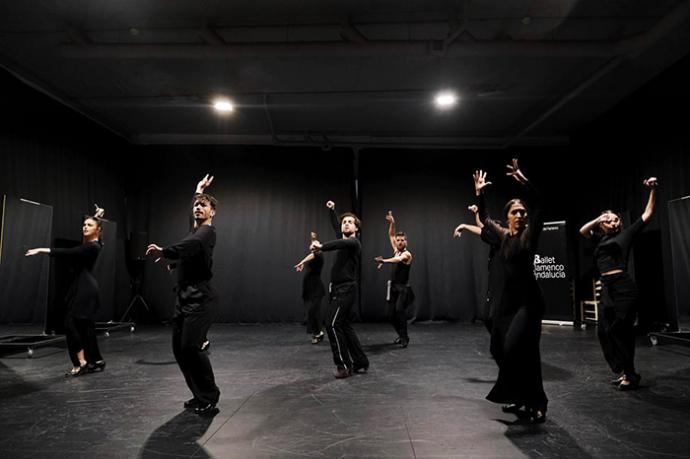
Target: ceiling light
[526,20]
[445,100]
[223,106]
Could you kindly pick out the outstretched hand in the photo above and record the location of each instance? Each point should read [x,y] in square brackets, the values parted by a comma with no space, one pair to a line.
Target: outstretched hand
[515,172]
[458,231]
[330,205]
[204,183]
[299,267]
[32,252]
[155,251]
[651,182]
[315,246]
[480,181]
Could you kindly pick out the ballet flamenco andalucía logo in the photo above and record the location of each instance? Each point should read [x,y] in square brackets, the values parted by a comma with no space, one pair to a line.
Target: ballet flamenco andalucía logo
[548,268]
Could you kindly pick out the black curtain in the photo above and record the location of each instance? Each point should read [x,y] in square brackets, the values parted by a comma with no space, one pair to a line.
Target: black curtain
[23,281]
[269,199]
[679,221]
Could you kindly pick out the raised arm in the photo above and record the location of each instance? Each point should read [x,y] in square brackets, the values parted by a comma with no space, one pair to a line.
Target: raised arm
[479,184]
[465,227]
[590,226]
[391,229]
[335,223]
[203,184]
[650,183]
[534,216]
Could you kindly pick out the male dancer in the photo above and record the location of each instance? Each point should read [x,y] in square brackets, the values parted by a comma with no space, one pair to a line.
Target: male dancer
[195,301]
[348,355]
[399,295]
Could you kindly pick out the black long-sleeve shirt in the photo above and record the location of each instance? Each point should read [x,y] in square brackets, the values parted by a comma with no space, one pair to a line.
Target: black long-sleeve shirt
[346,266]
[195,255]
[612,250]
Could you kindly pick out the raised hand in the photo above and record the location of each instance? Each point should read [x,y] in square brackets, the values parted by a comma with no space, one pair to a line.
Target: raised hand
[473,208]
[479,180]
[330,205]
[389,217]
[315,246]
[651,182]
[204,183]
[458,231]
[515,172]
[99,211]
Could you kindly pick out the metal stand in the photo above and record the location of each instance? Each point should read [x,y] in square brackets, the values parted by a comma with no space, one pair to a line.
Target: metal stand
[28,342]
[679,337]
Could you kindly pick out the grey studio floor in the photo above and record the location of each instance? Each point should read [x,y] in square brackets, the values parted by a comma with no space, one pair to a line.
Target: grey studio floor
[279,399]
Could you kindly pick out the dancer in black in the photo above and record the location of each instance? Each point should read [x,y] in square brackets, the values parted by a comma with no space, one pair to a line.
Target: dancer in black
[619,296]
[518,302]
[494,242]
[313,291]
[348,355]
[399,294]
[195,301]
[83,299]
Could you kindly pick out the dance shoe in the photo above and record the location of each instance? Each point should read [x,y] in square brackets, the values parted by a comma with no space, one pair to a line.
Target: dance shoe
[512,408]
[82,370]
[316,339]
[404,342]
[397,340]
[97,366]
[341,373]
[206,345]
[360,368]
[191,403]
[206,409]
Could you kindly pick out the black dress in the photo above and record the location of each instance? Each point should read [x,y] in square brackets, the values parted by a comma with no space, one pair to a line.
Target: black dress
[313,292]
[518,308]
[83,301]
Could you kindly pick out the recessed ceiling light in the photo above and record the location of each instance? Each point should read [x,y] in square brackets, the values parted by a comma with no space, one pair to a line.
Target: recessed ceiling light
[223,106]
[446,99]
[526,20]
[133,31]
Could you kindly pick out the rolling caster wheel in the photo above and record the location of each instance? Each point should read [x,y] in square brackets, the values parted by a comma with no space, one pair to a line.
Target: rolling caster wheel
[29,353]
[583,326]
[131,329]
[106,334]
[654,340]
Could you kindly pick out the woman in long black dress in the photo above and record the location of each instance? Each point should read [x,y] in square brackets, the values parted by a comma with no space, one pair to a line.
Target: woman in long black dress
[82,299]
[517,301]
[313,292]
[619,296]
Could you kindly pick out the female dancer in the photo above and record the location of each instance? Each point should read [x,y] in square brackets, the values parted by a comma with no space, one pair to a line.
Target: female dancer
[619,294]
[313,291]
[82,298]
[517,301]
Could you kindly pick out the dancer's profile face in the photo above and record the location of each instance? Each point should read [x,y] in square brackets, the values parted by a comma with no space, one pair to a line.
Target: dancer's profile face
[348,226]
[610,223]
[517,217]
[90,229]
[202,210]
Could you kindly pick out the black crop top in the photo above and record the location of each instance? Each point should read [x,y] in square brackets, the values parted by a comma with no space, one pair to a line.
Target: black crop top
[612,250]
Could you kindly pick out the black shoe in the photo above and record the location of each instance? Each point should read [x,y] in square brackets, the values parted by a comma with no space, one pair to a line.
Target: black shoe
[97,366]
[207,409]
[360,368]
[341,373]
[192,403]
[537,417]
[82,370]
[632,385]
[404,342]
[617,381]
[512,408]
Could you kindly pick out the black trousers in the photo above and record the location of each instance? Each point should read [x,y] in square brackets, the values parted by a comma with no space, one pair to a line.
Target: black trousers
[81,335]
[346,348]
[191,322]
[398,299]
[314,314]
[617,315]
